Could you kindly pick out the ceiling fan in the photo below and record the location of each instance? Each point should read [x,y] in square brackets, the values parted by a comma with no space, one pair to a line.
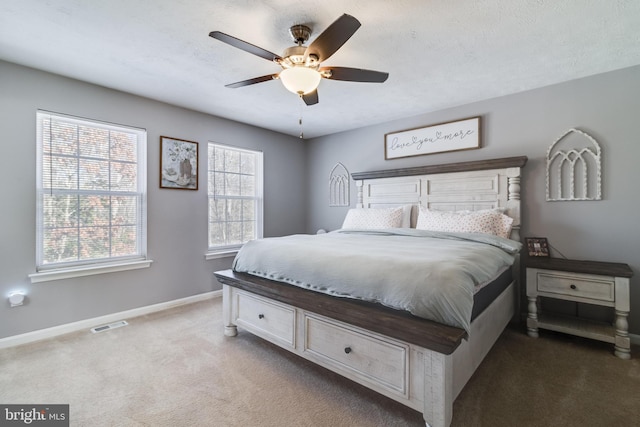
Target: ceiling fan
[301,71]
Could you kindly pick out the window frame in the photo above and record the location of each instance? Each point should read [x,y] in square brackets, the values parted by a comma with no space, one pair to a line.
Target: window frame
[83,267]
[221,251]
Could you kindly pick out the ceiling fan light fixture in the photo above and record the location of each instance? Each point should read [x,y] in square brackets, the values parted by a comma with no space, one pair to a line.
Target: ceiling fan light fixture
[300,79]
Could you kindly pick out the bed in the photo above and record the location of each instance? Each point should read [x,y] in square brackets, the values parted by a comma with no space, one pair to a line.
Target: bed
[420,362]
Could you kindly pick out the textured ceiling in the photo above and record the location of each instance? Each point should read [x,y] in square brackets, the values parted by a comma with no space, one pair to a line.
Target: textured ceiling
[438,53]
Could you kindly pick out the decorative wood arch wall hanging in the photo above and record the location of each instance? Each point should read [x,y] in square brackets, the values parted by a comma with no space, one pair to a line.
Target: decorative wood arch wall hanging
[339,186]
[574,173]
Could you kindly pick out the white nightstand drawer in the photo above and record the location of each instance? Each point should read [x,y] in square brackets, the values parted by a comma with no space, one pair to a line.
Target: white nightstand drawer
[598,288]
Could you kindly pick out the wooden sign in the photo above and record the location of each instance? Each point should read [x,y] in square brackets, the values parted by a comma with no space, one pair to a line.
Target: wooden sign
[439,138]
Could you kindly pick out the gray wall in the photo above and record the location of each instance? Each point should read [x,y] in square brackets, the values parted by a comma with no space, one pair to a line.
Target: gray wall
[606,106]
[177,219]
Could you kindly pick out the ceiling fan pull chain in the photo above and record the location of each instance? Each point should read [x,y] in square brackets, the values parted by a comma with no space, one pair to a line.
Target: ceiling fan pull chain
[300,119]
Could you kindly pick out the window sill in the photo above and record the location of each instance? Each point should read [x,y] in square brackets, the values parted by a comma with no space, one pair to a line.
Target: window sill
[69,273]
[220,254]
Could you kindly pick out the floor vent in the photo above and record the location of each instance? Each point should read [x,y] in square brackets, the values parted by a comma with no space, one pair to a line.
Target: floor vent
[113,325]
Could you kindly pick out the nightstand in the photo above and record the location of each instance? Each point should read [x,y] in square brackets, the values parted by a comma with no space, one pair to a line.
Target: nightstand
[600,283]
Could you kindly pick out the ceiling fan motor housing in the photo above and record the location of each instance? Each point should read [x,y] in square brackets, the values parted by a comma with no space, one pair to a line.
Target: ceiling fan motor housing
[294,56]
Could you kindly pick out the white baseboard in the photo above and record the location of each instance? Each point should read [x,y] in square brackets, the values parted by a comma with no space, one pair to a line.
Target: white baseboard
[140,311]
[96,321]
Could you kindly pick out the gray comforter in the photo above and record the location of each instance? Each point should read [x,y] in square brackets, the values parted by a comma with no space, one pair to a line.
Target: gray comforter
[432,275]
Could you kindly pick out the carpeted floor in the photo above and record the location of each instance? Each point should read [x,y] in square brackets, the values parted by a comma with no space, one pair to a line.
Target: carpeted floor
[175,368]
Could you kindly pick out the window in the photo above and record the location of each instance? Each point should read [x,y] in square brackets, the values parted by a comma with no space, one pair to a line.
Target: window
[235,197]
[91,193]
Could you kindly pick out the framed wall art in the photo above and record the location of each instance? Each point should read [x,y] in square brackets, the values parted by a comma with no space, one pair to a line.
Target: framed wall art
[439,138]
[178,164]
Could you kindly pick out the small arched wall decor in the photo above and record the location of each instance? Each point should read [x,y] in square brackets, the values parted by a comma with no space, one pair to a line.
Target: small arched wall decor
[574,168]
[339,183]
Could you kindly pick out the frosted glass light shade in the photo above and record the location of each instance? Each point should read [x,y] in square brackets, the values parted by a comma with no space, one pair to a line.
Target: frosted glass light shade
[300,80]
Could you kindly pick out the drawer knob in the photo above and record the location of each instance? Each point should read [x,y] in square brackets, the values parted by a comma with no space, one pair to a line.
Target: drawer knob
[574,287]
[347,350]
[260,316]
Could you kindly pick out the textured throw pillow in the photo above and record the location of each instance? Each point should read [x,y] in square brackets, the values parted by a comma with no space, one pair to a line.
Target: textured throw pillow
[373,218]
[504,223]
[489,221]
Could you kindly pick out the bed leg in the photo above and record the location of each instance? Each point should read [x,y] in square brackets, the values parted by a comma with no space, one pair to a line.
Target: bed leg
[438,389]
[230,328]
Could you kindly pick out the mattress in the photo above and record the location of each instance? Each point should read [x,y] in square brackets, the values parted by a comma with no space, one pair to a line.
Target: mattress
[490,291]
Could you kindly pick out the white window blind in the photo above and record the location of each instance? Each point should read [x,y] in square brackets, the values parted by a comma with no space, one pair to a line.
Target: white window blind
[91,190]
[235,196]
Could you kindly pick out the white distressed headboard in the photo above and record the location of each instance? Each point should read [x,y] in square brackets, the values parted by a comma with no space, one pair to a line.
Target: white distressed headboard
[476,185]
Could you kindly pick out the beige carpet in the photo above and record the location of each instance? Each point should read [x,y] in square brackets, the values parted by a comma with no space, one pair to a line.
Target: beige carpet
[176,368]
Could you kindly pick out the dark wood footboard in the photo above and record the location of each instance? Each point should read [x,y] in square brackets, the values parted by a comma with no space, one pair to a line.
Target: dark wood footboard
[374,317]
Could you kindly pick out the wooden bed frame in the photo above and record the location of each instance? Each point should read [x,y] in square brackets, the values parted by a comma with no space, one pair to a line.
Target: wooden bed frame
[417,362]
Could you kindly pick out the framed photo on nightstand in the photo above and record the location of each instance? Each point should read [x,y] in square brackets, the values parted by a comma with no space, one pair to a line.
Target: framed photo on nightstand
[537,246]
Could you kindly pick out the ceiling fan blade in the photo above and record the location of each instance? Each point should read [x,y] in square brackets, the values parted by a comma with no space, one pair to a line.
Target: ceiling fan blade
[331,39]
[355,74]
[252,81]
[243,45]
[311,98]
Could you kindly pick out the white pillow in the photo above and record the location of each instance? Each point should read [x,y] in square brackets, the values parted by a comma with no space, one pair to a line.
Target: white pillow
[488,221]
[373,218]
[504,224]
